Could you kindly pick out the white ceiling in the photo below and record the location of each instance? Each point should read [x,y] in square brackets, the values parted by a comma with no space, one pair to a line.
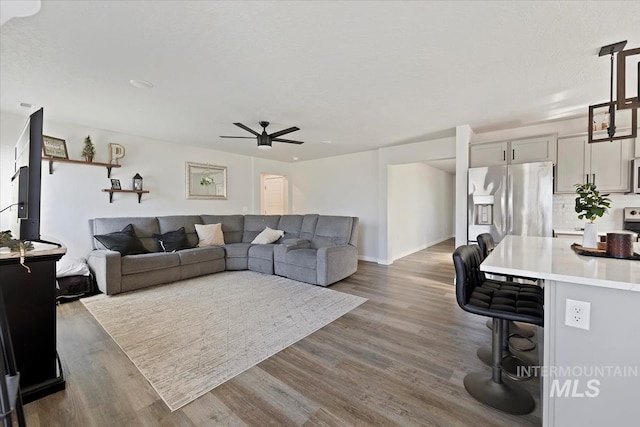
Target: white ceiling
[360,74]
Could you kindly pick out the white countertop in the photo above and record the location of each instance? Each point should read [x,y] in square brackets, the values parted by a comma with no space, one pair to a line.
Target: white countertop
[553,259]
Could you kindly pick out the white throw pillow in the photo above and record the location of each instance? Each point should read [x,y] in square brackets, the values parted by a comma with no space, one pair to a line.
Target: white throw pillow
[209,234]
[267,236]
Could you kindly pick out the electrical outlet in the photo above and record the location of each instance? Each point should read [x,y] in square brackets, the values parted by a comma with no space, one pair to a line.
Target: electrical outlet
[578,314]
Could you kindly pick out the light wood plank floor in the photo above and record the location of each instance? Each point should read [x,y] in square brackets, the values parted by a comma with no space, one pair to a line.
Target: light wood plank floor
[398,359]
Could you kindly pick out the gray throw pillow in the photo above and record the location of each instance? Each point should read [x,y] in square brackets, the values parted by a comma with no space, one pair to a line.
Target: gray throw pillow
[126,242]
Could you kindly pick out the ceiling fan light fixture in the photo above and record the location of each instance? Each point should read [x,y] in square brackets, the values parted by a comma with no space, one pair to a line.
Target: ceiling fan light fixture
[264,147]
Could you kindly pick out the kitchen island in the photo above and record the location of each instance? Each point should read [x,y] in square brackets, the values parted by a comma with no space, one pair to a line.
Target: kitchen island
[589,377]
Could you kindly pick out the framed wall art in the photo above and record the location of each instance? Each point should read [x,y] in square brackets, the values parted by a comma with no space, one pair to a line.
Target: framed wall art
[54,147]
[205,181]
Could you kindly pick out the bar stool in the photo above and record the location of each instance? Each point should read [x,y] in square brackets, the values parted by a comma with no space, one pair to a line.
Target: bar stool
[510,301]
[487,245]
[10,395]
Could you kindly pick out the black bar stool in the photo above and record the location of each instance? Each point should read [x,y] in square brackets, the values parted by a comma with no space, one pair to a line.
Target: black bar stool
[487,245]
[510,301]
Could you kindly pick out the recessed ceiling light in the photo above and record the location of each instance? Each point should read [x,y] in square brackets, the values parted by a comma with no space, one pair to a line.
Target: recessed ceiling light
[327,142]
[295,158]
[141,84]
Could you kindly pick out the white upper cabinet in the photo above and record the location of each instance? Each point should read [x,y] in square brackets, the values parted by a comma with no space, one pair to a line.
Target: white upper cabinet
[526,150]
[539,149]
[493,154]
[605,163]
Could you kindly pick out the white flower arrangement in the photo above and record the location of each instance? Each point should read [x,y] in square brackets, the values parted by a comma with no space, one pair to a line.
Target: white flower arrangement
[206,179]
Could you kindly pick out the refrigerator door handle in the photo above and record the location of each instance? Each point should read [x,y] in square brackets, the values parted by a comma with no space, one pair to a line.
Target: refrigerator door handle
[510,203]
[587,178]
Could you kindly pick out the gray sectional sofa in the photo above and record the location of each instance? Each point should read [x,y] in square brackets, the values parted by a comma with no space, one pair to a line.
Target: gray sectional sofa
[316,249]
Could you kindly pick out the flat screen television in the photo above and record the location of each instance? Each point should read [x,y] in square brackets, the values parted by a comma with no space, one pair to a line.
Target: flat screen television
[25,183]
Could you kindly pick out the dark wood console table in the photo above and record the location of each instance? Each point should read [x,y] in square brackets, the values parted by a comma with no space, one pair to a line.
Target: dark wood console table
[30,301]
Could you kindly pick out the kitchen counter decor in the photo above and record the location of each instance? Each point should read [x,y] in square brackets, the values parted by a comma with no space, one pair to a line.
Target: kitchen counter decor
[581,250]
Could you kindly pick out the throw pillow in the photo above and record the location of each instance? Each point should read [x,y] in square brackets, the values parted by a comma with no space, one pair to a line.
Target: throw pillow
[126,242]
[209,234]
[172,241]
[267,236]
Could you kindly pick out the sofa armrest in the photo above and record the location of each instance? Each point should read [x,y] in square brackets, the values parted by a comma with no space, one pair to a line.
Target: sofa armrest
[106,268]
[335,263]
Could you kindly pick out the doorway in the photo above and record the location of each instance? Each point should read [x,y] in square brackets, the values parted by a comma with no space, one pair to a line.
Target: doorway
[274,194]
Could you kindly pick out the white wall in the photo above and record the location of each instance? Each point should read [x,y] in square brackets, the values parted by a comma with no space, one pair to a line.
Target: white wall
[72,194]
[342,185]
[437,149]
[421,207]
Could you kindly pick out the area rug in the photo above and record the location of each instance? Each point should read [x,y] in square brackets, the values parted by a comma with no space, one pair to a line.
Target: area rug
[188,337]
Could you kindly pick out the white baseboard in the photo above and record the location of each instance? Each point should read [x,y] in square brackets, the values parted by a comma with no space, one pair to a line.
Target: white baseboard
[419,248]
[367,258]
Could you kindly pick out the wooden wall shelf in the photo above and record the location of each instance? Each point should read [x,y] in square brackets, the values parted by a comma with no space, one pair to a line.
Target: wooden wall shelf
[52,160]
[138,192]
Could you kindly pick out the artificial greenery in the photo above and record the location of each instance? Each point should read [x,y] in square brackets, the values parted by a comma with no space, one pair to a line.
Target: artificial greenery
[89,150]
[6,239]
[590,204]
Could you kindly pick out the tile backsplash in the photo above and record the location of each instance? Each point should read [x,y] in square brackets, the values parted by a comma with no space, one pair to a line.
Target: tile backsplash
[565,217]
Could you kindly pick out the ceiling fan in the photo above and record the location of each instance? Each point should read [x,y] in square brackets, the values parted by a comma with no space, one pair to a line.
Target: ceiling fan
[264,139]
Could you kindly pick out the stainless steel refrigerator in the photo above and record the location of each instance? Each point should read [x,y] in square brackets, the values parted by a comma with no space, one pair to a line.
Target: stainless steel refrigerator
[513,199]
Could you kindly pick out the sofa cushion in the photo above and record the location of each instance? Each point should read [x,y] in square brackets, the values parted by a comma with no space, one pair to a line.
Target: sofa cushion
[309,223]
[262,251]
[174,222]
[209,234]
[306,258]
[267,236]
[144,227]
[237,250]
[126,242]
[332,231]
[197,255]
[232,226]
[254,224]
[291,225]
[149,262]
[172,241]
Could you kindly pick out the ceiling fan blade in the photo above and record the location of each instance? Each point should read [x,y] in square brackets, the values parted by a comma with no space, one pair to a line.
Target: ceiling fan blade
[283,132]
[248,129]
[239,137]
[290,141]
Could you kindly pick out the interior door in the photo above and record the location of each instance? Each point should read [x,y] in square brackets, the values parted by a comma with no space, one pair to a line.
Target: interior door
[274,195]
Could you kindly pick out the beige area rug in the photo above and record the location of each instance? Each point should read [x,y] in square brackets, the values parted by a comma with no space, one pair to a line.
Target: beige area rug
[191,336]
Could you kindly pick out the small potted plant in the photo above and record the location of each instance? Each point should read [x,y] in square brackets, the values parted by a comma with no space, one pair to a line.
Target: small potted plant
[590,204]
[89,150]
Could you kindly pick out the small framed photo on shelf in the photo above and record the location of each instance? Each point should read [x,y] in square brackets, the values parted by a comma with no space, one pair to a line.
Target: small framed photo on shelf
[54,147]
[115,184]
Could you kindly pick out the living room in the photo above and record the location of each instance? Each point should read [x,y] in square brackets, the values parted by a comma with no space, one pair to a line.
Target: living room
[382,164]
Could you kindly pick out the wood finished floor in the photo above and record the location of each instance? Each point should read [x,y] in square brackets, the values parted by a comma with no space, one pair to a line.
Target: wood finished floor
[398,359]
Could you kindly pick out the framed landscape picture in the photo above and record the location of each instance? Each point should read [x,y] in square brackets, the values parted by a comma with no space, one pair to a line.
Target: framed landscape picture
[204,181]
[54,147]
